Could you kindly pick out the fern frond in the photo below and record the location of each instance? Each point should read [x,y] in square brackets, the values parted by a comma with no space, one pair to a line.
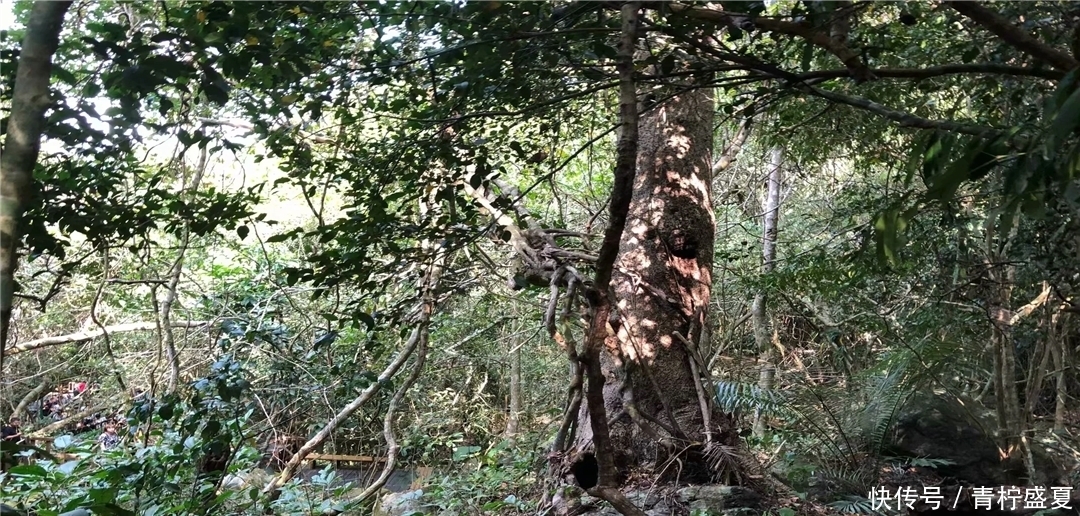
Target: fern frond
[857,505]
[735,396]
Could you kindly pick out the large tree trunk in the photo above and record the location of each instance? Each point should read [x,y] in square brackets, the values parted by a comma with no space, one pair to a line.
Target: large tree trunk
[656,404]
[29,101]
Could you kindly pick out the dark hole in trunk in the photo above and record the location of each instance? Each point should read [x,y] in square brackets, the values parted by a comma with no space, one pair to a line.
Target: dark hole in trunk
[586,471]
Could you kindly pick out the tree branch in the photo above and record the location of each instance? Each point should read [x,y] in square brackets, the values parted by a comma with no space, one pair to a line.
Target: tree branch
[731,153]
[83,336]
[1026,310]
[938,71]
[815,37]
[34,394]
[900,117]
[418,338]
[1013,35]
[392,446]
[47,429]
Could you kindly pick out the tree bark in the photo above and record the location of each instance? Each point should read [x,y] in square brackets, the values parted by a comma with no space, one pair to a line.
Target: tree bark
[661,285]
[1059,351]
[767,374]
[26,122]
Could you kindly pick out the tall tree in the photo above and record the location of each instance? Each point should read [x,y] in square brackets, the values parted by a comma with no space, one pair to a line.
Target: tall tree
[662,281]
[768,263]
[29,101]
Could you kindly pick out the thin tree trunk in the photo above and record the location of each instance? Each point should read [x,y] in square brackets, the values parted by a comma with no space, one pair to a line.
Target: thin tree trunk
[513,420]
[26,122]
[767,375]
[593,421]
[1002,277]
[1059,351]
[174,280]
[428,287]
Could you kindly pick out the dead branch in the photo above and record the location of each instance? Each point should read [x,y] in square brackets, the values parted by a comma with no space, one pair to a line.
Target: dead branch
[731,152]
[237,124]
[84,336]
[34,394]
[1026,310]
[392,446]
[943,70]
[49,428]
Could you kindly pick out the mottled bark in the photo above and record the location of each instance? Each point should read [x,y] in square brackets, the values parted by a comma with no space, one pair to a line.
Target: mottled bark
[661,284]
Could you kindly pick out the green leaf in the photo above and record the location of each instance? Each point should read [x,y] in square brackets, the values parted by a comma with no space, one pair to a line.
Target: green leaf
[936,156]
[1064,123]
[166,411]
[165,106]
[102,496]
[1064,89]
[242,231]
[986,158]
[367,319]
[807,57]
[463,452]
[944,186]
[326,339]
[28,470]
[64,76]
[890,227]
[91,89]
[920,145]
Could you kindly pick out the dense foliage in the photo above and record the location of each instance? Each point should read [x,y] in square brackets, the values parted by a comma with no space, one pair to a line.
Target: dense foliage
[258,220]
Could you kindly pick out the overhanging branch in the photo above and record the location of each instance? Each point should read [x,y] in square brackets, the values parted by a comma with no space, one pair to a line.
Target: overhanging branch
[1014,35]
[900,117]
[805,31]
[939,71]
